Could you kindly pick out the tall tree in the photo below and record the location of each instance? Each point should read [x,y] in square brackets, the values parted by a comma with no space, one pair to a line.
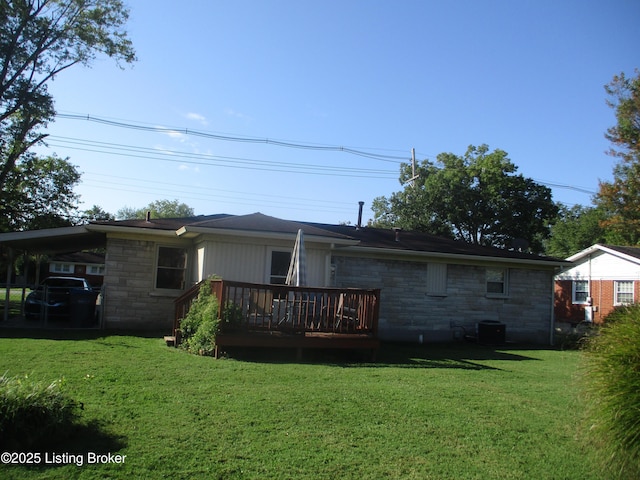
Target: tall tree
[620,199]
[477,197]
[96,213]
[157,209]
[38,40]
[39,194]
[576,228]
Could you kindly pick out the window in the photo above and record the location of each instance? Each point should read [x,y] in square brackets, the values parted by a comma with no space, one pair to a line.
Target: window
[437,279]
[497,281]
[623,292]
[279,267]
[60,268]
[96,270]
[580,291]
[172,268]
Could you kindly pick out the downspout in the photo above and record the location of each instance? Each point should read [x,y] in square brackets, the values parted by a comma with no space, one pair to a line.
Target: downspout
[7,293]
[553,310]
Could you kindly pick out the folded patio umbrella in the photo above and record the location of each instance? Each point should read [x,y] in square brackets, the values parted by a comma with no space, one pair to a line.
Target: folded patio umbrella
[297,274]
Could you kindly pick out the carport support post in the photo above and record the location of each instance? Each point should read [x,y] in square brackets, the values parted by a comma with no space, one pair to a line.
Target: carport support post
[7,293]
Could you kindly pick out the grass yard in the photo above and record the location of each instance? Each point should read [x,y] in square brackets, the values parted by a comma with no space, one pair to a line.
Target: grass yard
[428,412]
[15,301]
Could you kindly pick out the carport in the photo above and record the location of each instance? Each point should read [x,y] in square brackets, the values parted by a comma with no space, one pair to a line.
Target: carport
[46,241]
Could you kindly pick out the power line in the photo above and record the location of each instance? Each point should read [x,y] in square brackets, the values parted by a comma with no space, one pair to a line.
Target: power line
[239,162]
[232,138]
[175,156]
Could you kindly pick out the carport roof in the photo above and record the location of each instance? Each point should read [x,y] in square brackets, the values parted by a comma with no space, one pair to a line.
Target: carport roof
[54,240]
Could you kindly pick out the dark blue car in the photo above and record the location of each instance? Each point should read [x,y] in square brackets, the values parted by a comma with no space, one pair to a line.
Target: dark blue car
[54,295]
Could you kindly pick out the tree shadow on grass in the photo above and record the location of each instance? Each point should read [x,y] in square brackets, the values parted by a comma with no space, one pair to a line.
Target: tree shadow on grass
[77,441]
[466,356]
[74,333]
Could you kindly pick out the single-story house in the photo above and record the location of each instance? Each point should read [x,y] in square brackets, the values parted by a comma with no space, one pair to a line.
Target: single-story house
[88,265]
[432,288]
[599,278]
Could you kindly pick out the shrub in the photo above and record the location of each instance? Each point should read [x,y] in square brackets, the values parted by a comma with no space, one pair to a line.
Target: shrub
[200,325]
[612,380]
[32,413]
[232,315]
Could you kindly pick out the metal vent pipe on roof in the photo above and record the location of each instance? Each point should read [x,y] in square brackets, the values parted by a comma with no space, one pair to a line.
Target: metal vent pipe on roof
[361,204]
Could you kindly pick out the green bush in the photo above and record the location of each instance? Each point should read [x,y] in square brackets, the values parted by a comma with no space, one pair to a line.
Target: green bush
[612,380]
[232,315]
[32,413]
[200,326]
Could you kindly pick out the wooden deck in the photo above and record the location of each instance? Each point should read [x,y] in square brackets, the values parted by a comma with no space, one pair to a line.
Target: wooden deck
[281,316]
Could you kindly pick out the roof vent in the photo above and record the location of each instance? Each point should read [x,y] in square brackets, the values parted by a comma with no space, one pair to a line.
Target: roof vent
[148,217]
[360,203]
[397,230]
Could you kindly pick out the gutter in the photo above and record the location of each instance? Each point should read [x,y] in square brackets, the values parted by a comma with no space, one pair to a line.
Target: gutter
[195,231]
[455,256]
[134,230]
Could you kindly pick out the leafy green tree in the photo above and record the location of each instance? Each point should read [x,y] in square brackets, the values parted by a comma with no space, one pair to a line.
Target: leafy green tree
[38,40]
[577,228]
[477,197]
[620,199]
[96,213]
[158,209]
[39,194]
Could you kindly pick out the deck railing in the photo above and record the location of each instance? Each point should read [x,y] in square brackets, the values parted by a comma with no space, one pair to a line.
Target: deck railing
[287,309]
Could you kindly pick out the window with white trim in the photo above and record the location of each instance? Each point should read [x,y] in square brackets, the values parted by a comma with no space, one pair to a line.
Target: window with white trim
[96,270]
[61,268]
[497,281]
[172,268]
[580,291]
[437,279]
[623,292]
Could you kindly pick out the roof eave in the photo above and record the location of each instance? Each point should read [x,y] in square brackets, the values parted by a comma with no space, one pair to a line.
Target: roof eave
[603,248]
[456,256]
[188,231]
[135,230]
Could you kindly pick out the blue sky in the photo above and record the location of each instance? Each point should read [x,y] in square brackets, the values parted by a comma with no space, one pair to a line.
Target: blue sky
[379,77]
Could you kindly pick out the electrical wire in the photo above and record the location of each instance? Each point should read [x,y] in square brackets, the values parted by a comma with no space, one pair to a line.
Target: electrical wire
[229,138]
[214,160]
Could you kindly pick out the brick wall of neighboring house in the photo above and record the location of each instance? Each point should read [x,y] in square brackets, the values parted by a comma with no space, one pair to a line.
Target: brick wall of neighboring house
[129,301]
[409,309]
[603,298]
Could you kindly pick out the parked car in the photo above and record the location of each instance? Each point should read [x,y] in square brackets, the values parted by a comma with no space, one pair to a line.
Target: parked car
[54,293]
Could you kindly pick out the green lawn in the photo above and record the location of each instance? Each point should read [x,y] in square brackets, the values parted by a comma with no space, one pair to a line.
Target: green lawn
[15,301]
[432,412]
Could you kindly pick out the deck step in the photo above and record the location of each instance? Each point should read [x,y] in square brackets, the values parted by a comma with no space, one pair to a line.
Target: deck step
[170,340]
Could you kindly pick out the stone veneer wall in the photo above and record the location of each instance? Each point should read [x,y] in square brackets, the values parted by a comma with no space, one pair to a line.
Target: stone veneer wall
[408,310]
[130,302]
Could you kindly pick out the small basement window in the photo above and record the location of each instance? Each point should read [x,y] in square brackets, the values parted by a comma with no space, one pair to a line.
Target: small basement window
[172,268]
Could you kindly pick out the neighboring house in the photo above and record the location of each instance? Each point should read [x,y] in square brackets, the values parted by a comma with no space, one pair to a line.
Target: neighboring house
[432,289]
[88,265]
[600,278]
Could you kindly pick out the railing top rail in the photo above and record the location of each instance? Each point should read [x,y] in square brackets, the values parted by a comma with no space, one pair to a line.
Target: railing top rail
[278,286]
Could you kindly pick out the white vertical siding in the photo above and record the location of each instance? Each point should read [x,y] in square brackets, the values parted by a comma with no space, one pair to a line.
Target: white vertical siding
[244,262]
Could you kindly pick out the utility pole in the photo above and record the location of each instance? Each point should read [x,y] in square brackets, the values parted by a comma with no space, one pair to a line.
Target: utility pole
[413,167]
